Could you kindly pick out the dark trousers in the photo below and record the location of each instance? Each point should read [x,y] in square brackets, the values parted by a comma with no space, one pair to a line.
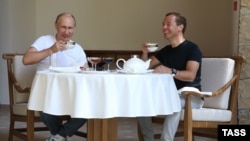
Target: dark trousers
[57,126]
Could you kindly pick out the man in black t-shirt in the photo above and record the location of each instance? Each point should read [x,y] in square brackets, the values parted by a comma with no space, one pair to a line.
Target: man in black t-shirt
[182,59]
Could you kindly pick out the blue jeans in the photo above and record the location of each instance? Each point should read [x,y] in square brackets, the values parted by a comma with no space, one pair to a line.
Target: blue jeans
[56,125]
[170,124]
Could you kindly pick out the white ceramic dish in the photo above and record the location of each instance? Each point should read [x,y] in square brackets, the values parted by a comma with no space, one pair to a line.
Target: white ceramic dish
[130,72]
[152,49]
[65,69]
[151,44]
[70,44]
[94,72]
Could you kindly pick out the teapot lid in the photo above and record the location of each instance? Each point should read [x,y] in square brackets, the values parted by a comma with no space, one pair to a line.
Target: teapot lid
[134,56]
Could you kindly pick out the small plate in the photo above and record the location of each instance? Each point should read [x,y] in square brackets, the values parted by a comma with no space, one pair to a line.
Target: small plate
[69,46]
[94,72]
[130,72]
[65,69]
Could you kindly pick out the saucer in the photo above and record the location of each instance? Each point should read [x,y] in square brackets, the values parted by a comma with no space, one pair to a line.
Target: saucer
[65,69]
[94,72]
[132,72]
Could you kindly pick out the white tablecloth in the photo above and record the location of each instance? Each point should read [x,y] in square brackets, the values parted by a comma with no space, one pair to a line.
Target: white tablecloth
[104,95]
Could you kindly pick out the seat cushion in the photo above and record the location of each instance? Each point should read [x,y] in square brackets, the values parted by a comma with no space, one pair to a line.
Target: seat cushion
[21,109]
[216,72]
[208,114]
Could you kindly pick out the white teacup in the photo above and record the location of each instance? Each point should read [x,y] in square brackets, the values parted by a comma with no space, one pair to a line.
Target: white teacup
[70,44]
[152,47]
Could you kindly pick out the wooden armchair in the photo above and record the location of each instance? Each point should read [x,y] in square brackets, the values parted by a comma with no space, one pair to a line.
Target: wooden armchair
[20,76]
[220,76]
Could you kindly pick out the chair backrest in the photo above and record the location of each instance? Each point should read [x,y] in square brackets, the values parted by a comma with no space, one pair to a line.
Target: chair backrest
[24,75]
[215,73]
[19,76]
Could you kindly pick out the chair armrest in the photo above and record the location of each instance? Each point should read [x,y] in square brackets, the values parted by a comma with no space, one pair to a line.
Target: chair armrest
[22,90]
[213,94]
[17,86]
[194,93]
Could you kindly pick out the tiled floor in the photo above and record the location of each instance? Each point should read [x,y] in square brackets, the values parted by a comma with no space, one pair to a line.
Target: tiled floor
[127,129]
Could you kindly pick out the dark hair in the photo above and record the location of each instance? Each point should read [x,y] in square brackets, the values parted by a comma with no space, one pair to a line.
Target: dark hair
[180,20]
[63,14]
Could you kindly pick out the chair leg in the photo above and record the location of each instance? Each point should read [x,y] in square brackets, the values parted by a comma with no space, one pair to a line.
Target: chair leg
[11,129]
[30,125]
[188,133]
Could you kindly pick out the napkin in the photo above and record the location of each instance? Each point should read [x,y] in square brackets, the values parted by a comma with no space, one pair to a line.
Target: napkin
[193,89]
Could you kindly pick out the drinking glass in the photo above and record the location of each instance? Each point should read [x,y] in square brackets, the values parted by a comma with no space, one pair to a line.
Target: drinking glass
[94,61]
[92,64]
[108,61]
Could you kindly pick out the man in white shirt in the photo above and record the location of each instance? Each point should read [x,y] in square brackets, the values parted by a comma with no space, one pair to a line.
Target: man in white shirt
[50,50]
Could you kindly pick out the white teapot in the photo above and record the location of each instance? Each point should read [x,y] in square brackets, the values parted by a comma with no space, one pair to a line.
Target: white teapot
[134,64]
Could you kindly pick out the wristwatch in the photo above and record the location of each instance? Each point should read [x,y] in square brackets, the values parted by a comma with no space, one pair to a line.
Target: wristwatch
[174,71]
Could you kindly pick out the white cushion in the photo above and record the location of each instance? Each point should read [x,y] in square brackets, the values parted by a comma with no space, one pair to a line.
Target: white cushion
[24,75]
[21,109]
[208,114]
[216,72]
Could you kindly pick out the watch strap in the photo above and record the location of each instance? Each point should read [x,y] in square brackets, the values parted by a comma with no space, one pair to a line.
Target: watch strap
[174,71]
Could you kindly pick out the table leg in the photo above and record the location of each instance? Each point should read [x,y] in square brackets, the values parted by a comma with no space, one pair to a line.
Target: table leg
[102,129]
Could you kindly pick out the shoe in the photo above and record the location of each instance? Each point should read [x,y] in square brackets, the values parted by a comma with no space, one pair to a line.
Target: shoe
[56,137]
[49,138]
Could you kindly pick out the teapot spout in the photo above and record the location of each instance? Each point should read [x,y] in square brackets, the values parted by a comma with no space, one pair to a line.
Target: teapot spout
[147,63]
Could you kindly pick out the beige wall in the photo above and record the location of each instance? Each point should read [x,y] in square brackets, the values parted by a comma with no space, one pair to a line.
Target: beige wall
[17,30]
[22,24]
[116,24]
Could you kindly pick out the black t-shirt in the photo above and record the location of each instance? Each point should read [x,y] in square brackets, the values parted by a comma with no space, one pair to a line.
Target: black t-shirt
[178,57]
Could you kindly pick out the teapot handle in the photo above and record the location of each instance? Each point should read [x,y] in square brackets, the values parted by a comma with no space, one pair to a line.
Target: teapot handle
[117,63]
